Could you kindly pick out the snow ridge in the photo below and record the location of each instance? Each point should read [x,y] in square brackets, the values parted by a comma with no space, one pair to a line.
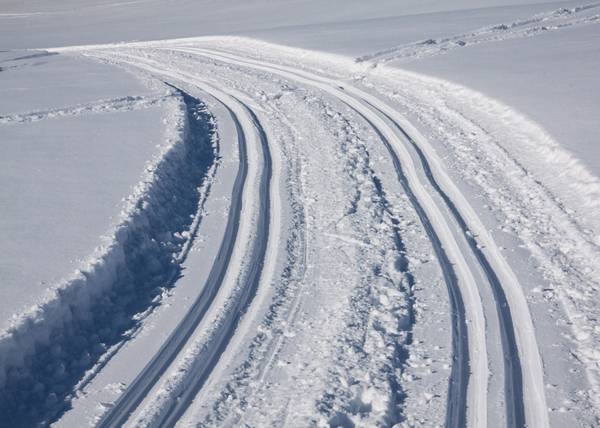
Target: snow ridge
[45,352]
[539,24]
[128,103]
[490,147]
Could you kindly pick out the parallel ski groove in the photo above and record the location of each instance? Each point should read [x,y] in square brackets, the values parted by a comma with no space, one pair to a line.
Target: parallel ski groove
[461,367]
[456,414]
[512,365]
[181,335]
[252,282]
[144,382]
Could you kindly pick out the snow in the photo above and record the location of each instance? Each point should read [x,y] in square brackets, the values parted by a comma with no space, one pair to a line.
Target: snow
[65,175]
[363,34]
[551,78]
[68,22]
[78,316]
[41,81]
[424,154]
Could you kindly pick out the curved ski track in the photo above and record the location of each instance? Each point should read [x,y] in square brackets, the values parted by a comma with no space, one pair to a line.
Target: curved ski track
[450,224]
[151,374]
[516,400]
[465,355]
[224,335]
[512,366]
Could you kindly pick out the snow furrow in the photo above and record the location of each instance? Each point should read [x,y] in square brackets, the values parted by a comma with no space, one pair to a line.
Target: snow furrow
[136,392]
[62,342]
[123,104]
[529,27]
[224,327]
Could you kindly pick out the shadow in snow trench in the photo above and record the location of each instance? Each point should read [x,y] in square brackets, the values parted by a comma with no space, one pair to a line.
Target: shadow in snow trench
[32,56]
[131,276]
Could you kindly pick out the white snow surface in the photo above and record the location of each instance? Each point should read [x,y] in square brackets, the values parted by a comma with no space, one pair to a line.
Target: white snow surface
[67,121]
[299,213]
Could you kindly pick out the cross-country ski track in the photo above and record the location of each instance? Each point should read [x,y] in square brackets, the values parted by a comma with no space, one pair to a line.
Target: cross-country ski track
[341,212]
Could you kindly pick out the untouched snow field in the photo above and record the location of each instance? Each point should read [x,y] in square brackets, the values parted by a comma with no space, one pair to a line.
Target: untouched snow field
[299,213]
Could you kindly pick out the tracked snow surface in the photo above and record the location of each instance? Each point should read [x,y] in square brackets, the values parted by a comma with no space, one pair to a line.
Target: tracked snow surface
[368,217]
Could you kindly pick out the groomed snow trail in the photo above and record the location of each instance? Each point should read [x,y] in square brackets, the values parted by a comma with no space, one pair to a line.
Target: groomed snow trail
[310,312]
[149,376]
[513,367]
[244,120]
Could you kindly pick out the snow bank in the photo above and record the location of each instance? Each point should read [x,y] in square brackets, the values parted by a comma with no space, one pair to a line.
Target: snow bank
[48,349]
